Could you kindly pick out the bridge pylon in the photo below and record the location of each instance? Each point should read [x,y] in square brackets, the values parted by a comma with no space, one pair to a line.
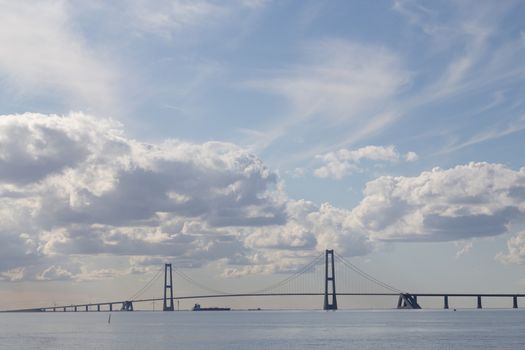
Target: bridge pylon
[329,282]
[168,284]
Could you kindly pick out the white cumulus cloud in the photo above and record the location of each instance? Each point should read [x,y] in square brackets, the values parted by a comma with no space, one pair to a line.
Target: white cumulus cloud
[343,162]
[516,250]
[77,186]
[473,200]
[74,188]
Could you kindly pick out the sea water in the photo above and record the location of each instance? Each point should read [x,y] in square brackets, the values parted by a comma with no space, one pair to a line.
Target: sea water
[392,329]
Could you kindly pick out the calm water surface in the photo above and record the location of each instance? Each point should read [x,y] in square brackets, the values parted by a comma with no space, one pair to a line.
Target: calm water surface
[410,329]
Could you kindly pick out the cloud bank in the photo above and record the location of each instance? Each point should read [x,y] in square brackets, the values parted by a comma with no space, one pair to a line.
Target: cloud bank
[77,186]
[73,188]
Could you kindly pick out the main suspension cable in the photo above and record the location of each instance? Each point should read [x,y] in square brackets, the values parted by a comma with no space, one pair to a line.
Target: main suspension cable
[291,277]
[197,284]
[147,285]
[366,275]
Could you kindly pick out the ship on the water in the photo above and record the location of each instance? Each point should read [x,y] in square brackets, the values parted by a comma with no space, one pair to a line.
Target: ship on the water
[198,307]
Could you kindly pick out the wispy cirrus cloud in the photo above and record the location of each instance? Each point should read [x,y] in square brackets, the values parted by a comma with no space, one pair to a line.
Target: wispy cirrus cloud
[359,90]
[494,132]
[340,82]
[42,55]
[164,18]
[168,18]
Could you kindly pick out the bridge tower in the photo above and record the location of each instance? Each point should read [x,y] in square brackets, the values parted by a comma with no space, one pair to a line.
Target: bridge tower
[168,284]
[329,281]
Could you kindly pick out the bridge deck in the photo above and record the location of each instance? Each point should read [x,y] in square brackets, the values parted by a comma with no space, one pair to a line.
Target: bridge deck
[242,295]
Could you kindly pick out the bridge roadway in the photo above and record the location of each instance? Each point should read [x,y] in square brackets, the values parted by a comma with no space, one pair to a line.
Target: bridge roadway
[109,304]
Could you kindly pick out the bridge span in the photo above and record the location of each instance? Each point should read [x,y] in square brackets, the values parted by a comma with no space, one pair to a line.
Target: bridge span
[405,300]
[127,305]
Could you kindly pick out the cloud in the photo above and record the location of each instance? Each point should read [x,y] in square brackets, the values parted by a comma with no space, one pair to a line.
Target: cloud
[516,250]
[411,156]
[55,273]
[95,192]
[12,275]
[309,229]
[495,131]
[78,187]
[86,171]
[341,80]
[467,201]
[166,17]
[42,55]
[346,84]
[32,147]
[463,247]
[343,162]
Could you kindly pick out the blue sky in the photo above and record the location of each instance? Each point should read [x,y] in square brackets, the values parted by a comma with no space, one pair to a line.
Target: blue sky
[243,137]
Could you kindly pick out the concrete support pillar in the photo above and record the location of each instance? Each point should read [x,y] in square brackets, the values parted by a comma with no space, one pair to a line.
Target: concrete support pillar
[75,309]
[479,302]
[110,307]
[98,307]
[54,309]
[445,302]
[407,301]
[515,302]
[65,309]
[127,306]
[87,308]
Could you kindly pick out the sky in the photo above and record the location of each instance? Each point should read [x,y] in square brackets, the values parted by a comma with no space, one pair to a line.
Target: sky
[240,139]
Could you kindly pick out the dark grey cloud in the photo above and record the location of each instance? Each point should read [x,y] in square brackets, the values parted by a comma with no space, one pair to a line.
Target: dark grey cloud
[32,151]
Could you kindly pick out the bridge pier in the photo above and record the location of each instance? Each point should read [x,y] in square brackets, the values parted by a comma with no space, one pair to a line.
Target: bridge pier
[110,307]
[75,309]
[445,302]
[407,301]
[127,306]
[87,308]
[479,302]
[98,307]
[515,302]
[329,279]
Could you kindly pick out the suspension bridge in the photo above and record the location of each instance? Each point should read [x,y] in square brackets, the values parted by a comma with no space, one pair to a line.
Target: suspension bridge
[317,278]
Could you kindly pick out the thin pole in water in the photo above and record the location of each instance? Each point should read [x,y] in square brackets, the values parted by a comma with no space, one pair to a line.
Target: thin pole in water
[109,319]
